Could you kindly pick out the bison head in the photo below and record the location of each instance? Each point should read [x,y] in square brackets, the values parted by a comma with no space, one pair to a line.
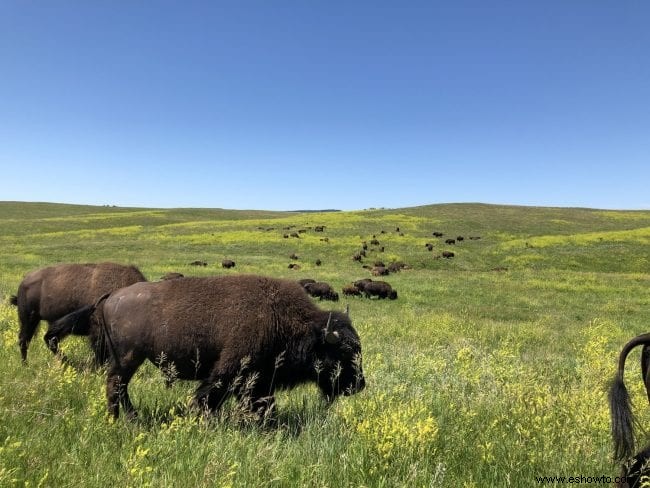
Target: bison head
[338,357]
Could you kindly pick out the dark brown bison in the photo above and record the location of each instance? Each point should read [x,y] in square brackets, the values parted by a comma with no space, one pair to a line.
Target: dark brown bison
[379,271]
[198,263]
[429,246]
[172,276]
[319,228]
[351,290]
[356,257]
[460,238]
[52,292]
[450,241]
[619,400]
[437,234]
[293,255]
[238,335]
[374,242]
[227,263]
[322,291]
[286,236]
[306,281]
[447,254]
[379,289]
[295,234]
[361,284]
[397,266]
[318,262]
[294,266]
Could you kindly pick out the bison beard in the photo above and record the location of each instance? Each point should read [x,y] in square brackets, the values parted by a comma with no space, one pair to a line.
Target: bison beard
[237,335]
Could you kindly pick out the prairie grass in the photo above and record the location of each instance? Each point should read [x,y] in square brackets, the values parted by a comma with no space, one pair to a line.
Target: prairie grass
[489,369]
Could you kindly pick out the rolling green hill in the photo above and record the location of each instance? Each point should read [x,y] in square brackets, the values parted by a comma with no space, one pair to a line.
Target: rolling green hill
[490,369]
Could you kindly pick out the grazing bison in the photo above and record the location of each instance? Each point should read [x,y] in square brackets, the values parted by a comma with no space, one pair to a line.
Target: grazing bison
[52,292]
[295,234]
[351,290]
[293,255]
[374,242]
[318,262]
[356,257]
[227,263]
[619,399]
[460,238]
[397,266]
[322,291]
[306,281]
[242,335]
[379,271]
[450,241]
[361,284]
[429,246]
[198,263]
[437,234]
[447,254]
[172,276]
[294,266]
[380,289]
[319,228]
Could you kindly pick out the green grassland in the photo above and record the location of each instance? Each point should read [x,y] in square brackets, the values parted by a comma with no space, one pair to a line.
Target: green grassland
[489,369]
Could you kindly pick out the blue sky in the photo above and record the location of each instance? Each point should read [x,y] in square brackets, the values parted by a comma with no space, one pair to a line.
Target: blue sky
[305,105]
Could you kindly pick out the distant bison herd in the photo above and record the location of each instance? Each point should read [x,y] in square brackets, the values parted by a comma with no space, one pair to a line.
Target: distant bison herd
[220,331]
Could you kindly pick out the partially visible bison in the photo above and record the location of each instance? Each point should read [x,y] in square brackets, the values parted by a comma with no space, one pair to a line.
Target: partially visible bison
[361,284]
[322,291]
[351,290]
[242,335]
[379,271]
[52,292]
[379,289]
[172,276]
[227,263]
[306,281]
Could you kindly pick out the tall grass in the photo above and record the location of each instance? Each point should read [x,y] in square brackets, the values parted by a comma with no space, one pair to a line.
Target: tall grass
[489,369]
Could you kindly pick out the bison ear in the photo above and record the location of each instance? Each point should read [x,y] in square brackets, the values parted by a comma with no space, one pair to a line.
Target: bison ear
[332,337]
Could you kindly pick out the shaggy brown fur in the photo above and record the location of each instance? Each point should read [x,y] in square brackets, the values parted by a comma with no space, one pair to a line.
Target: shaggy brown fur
[220,329]
[52,292]
[380,289]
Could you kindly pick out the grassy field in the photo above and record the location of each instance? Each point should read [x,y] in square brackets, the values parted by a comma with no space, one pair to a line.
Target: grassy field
[490,369]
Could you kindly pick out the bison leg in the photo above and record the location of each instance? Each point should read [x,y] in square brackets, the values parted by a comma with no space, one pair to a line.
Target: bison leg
[117,383]
[259,401]
[28,323]
[210,395]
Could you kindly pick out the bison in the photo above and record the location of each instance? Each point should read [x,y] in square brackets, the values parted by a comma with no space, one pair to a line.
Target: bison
[397,266]
[351,290]
[447,254]
[429,246]
[52,292]
[172,276]
[305,281]
[322,291]
[379,271]
[242,335]
[619,399]
[450,241]
[227,263]
[380,289]
[198,263]
[361,284]
[294,256]
[318,262]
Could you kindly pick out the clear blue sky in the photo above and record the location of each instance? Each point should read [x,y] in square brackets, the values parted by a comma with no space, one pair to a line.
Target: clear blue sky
[292,105]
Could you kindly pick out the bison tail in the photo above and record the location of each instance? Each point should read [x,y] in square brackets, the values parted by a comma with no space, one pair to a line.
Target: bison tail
[77,323]
[622,419]
[13,300]
[620,405]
